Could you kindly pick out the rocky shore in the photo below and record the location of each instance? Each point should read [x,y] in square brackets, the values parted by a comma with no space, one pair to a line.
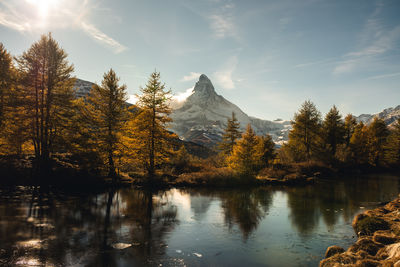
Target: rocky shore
[378,241]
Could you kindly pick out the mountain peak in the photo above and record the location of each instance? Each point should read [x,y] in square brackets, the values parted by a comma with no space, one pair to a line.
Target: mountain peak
[204,78]
[204,86]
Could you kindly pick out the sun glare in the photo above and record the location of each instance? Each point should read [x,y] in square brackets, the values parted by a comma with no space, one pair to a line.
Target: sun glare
[43,6]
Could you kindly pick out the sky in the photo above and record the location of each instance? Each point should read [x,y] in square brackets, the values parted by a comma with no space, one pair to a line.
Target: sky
[265,56]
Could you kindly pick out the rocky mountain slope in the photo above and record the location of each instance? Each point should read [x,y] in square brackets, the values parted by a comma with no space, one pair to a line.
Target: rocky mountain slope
[82,88]
[389,115]
[204,114]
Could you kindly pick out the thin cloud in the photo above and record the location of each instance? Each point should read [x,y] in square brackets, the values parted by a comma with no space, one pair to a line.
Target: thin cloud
[103,38]
[179,99]
[222,22]
[224,77]
[375,41]
[191,77]
[384,76]
[13,23]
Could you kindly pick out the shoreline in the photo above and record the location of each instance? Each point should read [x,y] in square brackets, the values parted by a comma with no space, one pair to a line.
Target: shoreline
[378,243]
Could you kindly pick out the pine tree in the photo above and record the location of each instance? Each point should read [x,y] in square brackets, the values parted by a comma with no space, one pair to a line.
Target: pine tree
[230,136]
[148,137]
[106,112]
[392,148]
[305,129]
[47,83]
[377,134]
[333,130]
[244,158]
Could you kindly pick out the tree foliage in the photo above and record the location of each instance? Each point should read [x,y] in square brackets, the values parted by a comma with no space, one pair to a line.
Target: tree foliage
[305,131]
[245,159]
[230,136]
[265,150]
[392,149]
[47,84]
[377,134]
[107,113]
[148,137]
[333,130]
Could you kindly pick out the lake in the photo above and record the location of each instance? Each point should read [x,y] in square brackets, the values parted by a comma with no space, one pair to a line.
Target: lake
[269,226]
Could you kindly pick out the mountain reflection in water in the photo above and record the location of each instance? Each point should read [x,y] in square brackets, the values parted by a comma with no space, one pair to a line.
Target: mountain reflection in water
[269,226]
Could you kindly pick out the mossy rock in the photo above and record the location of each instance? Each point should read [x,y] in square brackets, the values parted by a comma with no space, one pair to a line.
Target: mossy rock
[333,250]
[369,225]
[367,245]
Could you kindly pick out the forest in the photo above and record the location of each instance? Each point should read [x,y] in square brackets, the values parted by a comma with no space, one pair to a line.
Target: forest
[47,133]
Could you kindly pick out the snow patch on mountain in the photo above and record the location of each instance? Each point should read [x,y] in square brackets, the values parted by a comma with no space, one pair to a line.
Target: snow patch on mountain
[389,115]
[203,116]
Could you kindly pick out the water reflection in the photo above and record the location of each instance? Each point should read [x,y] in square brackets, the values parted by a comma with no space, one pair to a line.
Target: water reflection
[332,201]
[42,227]
[246,208]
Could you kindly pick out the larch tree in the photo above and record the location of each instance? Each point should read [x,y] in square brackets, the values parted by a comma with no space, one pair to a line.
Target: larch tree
[392,149]
[265,150]
[5,79]
[350,124]
[377,135]
[47,83]
[107,113]
[150,141]
[359,144]
[306,126]
[245,158]
[230,136]
[333,130]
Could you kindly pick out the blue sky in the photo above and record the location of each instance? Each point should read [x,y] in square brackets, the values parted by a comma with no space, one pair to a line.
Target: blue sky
[265,56]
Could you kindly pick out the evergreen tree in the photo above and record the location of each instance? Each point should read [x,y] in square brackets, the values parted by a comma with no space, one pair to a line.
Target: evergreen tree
[392,149]
[244,158]
[333,130]
[350,124]
[5,79]
[359,144]
[47,83]
[230,136]
[107,113]
[377,133]
[305,129]
[265,150]
[148,136]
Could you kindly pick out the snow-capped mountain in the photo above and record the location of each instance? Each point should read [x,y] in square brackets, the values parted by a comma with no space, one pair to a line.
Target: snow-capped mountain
[389,115]
[203,117]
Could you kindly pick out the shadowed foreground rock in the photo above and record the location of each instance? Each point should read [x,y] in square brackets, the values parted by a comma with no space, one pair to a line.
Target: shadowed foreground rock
[379,240]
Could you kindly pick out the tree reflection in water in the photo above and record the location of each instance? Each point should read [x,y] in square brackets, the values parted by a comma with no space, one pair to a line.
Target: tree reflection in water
[331,202]
[246,208]
[129,227]
[47,229]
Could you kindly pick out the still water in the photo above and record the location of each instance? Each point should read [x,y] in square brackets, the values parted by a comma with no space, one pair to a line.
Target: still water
[271,226]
